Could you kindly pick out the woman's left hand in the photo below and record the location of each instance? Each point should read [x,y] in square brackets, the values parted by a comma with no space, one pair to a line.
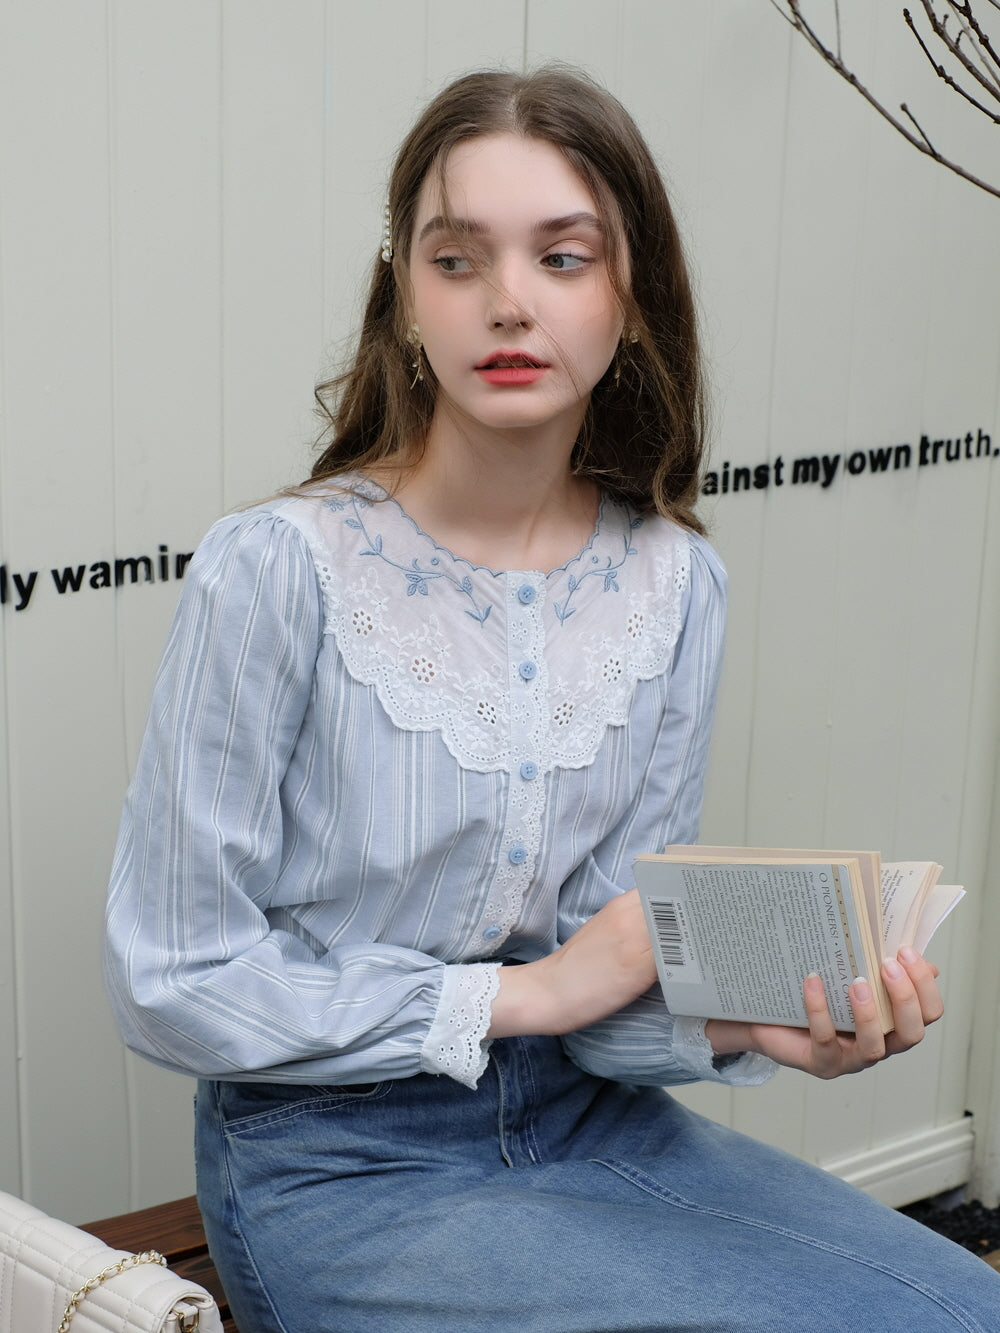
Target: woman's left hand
[911,983]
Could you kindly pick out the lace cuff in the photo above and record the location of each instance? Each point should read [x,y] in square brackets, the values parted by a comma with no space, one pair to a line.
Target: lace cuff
[456,1043]
[693,1050]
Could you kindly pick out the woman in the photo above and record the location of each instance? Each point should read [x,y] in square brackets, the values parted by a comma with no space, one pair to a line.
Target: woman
[414,721]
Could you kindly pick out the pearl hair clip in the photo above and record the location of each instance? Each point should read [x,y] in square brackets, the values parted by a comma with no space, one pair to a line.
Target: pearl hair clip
[387,234]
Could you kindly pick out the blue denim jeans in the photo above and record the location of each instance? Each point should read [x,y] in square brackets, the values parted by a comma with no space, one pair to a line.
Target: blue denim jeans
[547,1201]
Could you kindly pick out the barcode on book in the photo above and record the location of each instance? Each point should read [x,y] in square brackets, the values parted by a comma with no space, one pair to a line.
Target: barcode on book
[674,941]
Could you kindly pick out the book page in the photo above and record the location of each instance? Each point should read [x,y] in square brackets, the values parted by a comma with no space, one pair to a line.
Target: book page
[869,863]
[736,940]
[905,886]
[941,900]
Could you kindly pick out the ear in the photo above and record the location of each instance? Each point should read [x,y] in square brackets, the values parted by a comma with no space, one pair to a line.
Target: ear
[404,294]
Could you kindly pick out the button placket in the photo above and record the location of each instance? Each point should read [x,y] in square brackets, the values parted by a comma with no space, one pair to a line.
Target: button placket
[525,793]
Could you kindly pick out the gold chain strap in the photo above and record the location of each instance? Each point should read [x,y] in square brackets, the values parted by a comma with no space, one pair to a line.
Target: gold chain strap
[122,1266]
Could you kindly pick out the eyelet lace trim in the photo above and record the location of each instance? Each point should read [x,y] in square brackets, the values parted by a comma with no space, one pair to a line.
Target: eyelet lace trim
[440,640]
[456,1043]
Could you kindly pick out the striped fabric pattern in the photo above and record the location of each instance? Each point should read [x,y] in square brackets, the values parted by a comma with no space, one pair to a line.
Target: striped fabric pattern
[308,889]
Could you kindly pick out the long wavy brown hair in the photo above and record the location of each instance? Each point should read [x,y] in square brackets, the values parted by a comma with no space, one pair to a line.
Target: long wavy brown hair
[643,437]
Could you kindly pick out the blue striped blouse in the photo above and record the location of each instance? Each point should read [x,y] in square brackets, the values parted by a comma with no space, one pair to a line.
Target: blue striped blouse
[373,772]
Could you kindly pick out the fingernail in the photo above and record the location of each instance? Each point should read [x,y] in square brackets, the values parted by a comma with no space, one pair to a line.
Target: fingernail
[908,954]
[861,989]
[892,969]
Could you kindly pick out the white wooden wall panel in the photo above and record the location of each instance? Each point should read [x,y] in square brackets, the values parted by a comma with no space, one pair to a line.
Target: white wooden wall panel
[10,1165]
[61,694]
[871,609]
[779,648]
[878,599]
[703,80]
[165,145]
[949,728]
[10,1157]
[169,380]
[585,34]
[984,1072]
[273,84]
[983,807]
[462,37]
[189,208]
[10,1082]
[371,98]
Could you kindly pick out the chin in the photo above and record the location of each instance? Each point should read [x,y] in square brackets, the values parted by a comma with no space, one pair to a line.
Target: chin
[525,415]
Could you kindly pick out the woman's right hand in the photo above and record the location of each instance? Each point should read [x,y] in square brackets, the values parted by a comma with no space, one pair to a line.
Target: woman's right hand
[911,984]
[604,966]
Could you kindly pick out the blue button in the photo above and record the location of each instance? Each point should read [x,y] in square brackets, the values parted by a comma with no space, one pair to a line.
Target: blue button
[527,671]
[529,770]
[492,933]
[517,855]
[526,594]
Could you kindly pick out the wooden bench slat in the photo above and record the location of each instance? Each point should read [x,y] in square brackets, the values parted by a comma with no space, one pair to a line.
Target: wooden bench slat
[176,1225]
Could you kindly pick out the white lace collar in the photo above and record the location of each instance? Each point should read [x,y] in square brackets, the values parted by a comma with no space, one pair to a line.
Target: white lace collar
[496,661]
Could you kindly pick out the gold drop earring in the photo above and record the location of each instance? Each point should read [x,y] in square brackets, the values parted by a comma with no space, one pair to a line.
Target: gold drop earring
[628,338]
[413,337]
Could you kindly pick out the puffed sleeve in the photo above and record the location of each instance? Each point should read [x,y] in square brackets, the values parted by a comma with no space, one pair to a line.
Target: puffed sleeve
[198,978]
[644,1043]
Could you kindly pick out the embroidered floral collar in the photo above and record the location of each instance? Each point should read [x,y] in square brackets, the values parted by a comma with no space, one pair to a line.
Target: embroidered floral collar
[421,571]
[500,663]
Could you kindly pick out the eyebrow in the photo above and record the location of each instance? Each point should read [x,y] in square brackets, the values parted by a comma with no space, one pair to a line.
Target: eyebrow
[472,227]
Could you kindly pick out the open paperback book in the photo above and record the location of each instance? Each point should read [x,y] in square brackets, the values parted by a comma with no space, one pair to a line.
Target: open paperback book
[736,930]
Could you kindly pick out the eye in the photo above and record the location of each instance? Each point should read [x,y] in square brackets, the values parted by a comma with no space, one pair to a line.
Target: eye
[564,262]
[453,264]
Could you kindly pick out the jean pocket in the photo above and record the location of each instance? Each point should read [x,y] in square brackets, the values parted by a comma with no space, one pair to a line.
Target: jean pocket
[248,1106]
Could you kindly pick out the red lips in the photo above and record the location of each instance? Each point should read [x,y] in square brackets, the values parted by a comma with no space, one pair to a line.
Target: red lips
[505,359]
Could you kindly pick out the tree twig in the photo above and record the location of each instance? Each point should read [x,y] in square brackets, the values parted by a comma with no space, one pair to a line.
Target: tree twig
[912,118]
[794,17]
[942,73]
[977,40]
[964,8]
[952,44]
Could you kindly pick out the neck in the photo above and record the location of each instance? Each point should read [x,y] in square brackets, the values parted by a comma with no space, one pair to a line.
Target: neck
[505,499]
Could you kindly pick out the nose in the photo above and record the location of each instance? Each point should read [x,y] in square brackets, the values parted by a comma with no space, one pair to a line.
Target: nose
[506,308]
[507,313]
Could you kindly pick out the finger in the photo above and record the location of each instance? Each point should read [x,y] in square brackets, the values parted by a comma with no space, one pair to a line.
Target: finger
[907,1009]
[924,976]
[868,1034]
[826,1047]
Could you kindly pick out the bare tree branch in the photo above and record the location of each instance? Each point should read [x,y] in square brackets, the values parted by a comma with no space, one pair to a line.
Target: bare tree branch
[952,44]
[971,29]
[930,147]
[942,73]
[976,39]
[964,8]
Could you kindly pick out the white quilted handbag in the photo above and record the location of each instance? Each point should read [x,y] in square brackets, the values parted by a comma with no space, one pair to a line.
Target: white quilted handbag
[57,1279]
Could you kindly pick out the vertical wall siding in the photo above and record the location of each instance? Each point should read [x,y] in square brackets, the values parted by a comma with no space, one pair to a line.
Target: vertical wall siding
[10,1158]
[854,707]
[168,167]
[190,202]
[58,419]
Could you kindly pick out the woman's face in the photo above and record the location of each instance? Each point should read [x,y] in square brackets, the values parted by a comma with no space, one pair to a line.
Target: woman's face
[510,286]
